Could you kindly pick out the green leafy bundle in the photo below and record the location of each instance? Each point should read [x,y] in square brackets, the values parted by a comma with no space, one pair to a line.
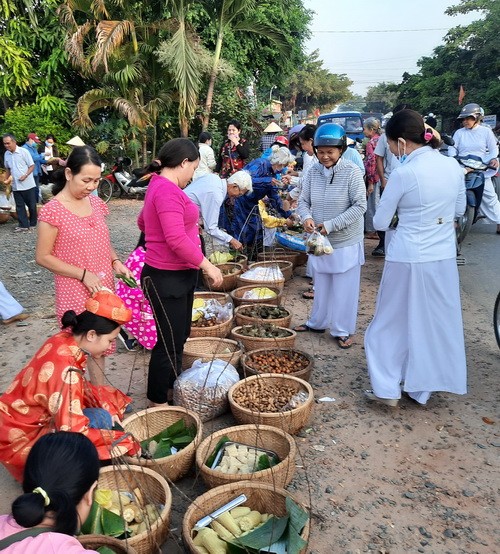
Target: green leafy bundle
[177,436]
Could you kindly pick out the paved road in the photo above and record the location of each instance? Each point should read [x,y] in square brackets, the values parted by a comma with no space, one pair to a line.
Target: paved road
[480,276]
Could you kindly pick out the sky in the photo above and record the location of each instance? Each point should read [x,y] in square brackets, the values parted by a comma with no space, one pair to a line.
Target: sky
[368,58]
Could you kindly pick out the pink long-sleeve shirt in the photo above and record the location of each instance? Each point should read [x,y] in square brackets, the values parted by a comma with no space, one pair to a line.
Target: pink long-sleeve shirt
[169,220]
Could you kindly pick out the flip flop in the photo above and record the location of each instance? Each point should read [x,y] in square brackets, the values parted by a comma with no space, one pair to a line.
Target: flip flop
[308,294]
[344,342]
[304,328]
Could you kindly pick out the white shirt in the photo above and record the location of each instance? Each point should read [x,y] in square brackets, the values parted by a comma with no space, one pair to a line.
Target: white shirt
[428,192]
[18,163]
[207,160]
[208,193]
[478,141]
[390,161]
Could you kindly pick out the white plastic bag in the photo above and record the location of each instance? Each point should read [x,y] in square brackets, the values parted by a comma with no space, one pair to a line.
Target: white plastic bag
[203,388]
[264,273]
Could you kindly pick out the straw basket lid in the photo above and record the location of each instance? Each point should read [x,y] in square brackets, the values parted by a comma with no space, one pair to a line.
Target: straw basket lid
[93,542]
[273,127]
[263,497]
[154,489]
[148,423]
[290,421]
[258,436]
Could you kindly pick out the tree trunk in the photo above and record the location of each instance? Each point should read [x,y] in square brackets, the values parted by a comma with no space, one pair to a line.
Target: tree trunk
[145,149]
[213,78]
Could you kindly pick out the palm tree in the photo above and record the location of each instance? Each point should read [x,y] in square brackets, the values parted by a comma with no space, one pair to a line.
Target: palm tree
[235,16]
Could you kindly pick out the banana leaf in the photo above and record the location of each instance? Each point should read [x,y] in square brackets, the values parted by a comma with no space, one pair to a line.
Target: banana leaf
[215,451]
[177,434]
[92,525]
[113,525]
[265,462]
[262,537]
[163,449]
[105,550]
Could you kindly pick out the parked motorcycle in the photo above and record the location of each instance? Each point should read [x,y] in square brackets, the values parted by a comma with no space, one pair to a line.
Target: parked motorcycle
[120,182]
[474,185]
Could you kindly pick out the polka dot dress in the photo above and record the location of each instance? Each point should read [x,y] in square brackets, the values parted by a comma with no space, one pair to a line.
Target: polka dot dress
[83,242]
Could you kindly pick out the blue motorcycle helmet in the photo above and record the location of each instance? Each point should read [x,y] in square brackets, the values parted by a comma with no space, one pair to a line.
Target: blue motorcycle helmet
[330,134]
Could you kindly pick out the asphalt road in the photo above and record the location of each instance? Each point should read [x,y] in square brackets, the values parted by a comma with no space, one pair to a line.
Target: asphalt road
[480,276]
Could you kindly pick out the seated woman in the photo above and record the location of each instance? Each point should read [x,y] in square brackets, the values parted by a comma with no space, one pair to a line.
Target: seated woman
[56,501]
[51,392]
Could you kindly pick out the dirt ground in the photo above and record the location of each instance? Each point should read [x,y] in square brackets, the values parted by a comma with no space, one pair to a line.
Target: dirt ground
[377,479]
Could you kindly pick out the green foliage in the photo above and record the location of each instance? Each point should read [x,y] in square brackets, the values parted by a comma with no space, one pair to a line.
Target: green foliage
[30,118]
[382,97]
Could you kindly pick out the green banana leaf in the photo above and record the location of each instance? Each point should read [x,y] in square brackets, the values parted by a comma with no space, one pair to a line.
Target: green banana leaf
[105,550]
[215,451]
[177,434]
[113,525]
[92,525]
[265,462]
[258,539]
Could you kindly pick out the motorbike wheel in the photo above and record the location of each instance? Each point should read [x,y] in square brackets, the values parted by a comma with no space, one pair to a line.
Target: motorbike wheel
[105,189]
[465,224]
[496,319]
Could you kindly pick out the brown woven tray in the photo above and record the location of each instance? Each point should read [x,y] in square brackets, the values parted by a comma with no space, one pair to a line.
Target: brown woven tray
[149,422]
[260,436]
[209,348]
[253,343]
[290,421]
[264,497]
[93,542]
[154,489]
[242,319]
[238,300]
[301,374]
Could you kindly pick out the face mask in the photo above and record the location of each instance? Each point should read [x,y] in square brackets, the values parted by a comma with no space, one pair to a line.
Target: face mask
[402,157]
[49,144]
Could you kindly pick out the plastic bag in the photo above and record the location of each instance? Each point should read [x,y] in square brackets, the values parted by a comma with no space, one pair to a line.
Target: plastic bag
[211,308]
[318,244]
[264,273]
[203,388]
[259,293]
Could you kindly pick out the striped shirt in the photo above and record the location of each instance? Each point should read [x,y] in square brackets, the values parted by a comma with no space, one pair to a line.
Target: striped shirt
[338,203]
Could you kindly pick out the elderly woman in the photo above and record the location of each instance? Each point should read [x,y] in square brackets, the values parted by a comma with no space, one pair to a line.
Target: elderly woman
[333,201]
[242,219]
[371,130]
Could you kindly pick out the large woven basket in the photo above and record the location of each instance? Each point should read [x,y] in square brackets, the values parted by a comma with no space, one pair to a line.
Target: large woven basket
[290,421]
[229,282]
[243,281]
[209,348]
[252,343]
[248,370]
[286,267]
[4,217]
[238,300]
[149,422]
[278,254]
[241,259]
[93,542]
[263,497]
[221,329]
[242,319]
[260,436]
[154,490]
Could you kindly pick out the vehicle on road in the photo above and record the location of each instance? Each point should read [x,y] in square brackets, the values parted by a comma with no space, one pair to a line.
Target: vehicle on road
[120,182]
[351,122]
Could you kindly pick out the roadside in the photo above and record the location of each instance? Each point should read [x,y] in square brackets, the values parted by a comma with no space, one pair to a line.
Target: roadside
[410,479]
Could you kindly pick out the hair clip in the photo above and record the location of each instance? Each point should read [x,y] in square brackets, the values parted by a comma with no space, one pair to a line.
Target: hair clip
[428,135]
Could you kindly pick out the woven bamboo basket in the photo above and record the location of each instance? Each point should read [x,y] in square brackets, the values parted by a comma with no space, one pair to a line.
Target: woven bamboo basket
[238,300]
[259,436]
[93,542]
[4,217]
[304,373]
[221,329]
[278,254]
[253,343]
[286,267]
[149,422]
[209,348]
[264,497]
[154,489]
[243,281]
[229,282]
[241,319]
[290,421]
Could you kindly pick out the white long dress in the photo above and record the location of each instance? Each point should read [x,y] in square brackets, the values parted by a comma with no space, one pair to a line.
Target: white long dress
[416,336]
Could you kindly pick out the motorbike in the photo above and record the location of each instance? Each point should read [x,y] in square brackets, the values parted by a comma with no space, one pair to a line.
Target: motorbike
[120,182]
[474,185]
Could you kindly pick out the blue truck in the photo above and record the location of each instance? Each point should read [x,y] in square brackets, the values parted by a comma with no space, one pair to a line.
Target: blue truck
[352,122]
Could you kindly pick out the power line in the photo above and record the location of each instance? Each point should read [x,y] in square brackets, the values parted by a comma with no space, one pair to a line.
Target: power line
[384,30]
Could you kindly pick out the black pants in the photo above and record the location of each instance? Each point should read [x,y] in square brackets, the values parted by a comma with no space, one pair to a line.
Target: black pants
[170,294]
[27,198]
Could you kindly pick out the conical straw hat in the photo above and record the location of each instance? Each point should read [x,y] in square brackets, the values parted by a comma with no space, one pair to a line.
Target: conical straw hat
[273,128]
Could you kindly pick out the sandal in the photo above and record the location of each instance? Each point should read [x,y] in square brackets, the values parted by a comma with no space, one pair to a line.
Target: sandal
[308,294]
[304,328]
[344,342]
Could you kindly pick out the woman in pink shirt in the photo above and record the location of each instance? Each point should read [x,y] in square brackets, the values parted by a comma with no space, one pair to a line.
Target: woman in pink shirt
[169,221]
[56,501]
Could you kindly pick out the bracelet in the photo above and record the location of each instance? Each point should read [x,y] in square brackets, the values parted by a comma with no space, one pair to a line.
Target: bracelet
[83,276]
[113,261]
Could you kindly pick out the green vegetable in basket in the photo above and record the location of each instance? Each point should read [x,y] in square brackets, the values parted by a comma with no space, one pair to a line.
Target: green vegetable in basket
[103,522]
[265,462]
[177,435]
[105,550]
[129,281]
[215,451]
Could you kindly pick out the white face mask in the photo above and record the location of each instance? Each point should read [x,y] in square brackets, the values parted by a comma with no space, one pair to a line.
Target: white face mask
[402,157]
